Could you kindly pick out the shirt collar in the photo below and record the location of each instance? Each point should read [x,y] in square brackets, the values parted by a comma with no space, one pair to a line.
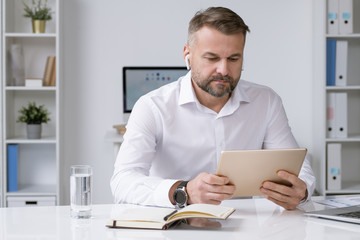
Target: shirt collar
[239,94]
[187,94]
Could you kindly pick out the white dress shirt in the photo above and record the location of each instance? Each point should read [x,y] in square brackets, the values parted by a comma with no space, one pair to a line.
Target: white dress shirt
[170,136]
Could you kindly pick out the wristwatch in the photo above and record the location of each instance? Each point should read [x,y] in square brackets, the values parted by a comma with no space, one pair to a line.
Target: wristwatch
[180,195]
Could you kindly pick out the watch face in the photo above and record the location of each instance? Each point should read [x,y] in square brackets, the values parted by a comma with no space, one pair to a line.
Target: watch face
[180,197]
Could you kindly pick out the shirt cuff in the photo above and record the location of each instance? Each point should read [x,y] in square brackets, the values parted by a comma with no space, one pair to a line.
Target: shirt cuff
[307,198]
[161,196]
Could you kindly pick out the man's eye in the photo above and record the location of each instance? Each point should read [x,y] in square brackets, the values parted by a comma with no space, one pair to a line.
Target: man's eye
[212,59]
[233,59]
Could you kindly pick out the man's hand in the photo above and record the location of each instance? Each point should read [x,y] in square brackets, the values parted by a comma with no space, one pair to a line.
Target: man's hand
[209,188]
[285,196]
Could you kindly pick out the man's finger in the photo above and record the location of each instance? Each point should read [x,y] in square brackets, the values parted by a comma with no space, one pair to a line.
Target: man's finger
[288,176]
[215,180]
[276,195]
[282,189]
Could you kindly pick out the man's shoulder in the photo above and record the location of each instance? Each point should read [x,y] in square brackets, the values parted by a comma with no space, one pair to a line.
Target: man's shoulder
[258,92]
[255,87]
[251,85]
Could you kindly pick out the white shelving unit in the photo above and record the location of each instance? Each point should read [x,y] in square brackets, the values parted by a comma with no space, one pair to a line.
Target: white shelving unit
[38,160]
[350,146]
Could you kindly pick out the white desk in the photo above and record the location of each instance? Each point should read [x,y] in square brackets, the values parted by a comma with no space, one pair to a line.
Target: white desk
[253,219]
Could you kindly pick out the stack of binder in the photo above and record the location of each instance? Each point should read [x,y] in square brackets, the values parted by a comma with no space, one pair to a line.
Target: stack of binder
[336,62]
[340,17]
[336,115]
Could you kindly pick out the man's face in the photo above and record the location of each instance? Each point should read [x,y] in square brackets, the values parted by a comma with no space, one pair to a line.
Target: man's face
[216,61]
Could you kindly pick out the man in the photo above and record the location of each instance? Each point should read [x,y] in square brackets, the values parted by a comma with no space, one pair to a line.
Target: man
[175,134]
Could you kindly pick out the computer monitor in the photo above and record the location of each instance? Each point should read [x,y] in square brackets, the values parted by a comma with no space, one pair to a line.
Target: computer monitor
[138,81]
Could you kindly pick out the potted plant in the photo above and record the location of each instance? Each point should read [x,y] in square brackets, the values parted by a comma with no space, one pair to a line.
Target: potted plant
[39,14]
[33,116]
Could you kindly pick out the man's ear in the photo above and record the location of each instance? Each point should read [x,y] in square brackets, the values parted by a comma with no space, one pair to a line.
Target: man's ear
[186,54]
[187,61]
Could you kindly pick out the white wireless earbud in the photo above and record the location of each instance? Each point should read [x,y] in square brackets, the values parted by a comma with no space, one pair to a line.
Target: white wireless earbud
[187,62]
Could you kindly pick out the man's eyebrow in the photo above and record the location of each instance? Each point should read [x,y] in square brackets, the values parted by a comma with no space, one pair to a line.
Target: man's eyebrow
[215,55]
[211,54]
[235,55]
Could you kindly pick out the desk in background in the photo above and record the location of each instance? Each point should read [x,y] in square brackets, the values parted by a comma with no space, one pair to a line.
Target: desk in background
[255,218]
[116,139]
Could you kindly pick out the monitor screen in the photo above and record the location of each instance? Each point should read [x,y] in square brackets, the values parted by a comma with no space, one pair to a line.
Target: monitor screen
[138,81]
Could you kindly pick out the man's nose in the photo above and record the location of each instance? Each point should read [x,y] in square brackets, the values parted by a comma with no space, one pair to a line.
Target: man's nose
[222,67]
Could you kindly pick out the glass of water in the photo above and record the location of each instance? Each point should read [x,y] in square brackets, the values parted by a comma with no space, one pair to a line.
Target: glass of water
[80,191]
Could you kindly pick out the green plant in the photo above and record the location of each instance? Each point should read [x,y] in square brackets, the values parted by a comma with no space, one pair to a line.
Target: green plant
[33,114]
[37,11]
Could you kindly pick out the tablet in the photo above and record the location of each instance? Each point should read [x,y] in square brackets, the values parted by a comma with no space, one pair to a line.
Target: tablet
[248,169]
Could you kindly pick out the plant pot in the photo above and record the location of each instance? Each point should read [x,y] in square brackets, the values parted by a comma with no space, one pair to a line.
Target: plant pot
[38,26]
[33,131]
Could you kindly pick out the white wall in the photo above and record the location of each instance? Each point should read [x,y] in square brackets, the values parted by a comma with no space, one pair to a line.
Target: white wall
[99,37]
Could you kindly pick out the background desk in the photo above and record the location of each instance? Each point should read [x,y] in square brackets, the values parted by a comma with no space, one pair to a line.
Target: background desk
[116,139]
[253,219]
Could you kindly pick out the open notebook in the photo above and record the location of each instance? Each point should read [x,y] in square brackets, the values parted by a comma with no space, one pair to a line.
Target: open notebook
[344,214]
[123,216]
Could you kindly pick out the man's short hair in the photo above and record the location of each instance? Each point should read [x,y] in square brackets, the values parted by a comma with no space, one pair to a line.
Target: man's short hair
[222,19]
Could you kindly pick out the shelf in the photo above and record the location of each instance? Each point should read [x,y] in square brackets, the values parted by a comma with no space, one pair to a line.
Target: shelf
[353,138]
[347,188]
[38,160]
[347,154]
[354,35]
[23,140]
[342,88]
[31,35]
[34,190]
[22,88]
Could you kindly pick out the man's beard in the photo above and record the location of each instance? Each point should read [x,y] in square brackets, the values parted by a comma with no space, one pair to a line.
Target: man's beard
[220,90]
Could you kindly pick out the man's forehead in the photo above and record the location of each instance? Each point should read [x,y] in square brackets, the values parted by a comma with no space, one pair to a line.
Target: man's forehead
[212,42]
[207,29]
[208,33]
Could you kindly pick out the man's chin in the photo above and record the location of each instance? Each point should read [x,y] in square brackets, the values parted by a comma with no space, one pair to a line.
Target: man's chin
[219,94]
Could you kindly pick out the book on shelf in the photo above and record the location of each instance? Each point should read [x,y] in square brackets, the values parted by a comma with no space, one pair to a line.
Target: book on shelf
[334,170]
[346,17]
[333,16]
[12,167]
[133,216]
[341,63]
[53,74]
[341,113]
[330,115]
[330,61]
[33,82]
[50,71]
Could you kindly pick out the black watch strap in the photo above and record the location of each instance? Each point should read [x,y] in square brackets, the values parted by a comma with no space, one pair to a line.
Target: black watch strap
[183,184]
